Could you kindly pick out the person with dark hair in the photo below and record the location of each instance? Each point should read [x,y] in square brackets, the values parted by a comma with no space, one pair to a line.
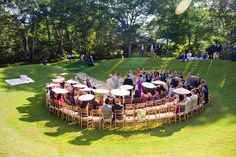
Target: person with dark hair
[146,95]
[211,50]
[234,52]
[90,60]
[60,99]
[116,106]
[128,81]
[84,104]
[94,103]
[106,109]
[205,93]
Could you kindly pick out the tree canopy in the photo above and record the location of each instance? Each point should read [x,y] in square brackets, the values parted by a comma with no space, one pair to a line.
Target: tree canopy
[31,31]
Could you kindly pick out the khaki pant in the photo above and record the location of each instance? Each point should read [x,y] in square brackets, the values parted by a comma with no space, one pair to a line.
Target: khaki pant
[216,55]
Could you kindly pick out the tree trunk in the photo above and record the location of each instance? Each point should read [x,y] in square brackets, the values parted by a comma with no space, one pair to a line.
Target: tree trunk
[129,49]
[167,45]
[48,32]
[61,41]
[27,45]
[33,39]
[189,41]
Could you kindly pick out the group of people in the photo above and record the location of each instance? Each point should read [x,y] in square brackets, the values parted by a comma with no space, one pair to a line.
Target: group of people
[108,103]
[172,81]
[217,50]
[214,51]
[188,56]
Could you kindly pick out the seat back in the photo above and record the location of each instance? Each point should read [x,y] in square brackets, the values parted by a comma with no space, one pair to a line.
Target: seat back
[84,112]
[171,99]
[182,108]
[129,110]
[96,113]
[141,106]
[119,115]
[137,100]
[149,103]
[172,108]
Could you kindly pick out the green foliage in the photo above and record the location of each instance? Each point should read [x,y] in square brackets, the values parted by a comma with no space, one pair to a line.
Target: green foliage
[104,27]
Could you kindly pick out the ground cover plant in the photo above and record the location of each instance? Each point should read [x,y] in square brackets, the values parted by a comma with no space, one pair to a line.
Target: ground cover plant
[27,129]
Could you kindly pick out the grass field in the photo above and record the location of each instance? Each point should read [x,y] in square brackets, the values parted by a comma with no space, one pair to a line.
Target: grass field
[27,129]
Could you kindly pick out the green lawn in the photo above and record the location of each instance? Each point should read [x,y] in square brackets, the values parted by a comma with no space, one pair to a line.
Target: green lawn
[27,129]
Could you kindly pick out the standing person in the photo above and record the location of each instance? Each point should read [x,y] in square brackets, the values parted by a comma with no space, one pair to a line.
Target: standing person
[115,80]
[234,52]
[159,50]
[224,50]
[131,76]
[211,50]
[218,50]
[128,81]
[137,73]
[89,83]
[139,84]
[110,83]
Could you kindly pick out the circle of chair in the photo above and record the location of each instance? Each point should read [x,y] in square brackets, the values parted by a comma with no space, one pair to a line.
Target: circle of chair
[140,111]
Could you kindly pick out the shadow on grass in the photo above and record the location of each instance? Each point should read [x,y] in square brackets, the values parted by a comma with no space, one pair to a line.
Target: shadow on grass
[89,135]
[220,81]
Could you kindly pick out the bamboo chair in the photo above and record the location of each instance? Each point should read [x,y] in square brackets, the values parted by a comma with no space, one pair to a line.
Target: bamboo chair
[162,114]
[141,114]
[149,106]
[171,114]
[137,100]
[85,118]
[97,118]
[119,118]
[77,117]
[107,120]
[129,115]
[181,115]
[151,117]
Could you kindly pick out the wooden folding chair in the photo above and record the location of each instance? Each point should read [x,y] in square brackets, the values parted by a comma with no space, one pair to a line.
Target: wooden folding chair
[149,106]
[136,100]
[77,117]
[85,118]
[119,118]
[181,115]
[107,120]
[129,113]
[171,113]
[162,114]
[97,118]
[151,116]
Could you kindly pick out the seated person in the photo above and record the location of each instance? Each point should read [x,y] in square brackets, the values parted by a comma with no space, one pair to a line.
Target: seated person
[106,109]
[116,106]
[83,104]
[157,95]
[94,104]
[145,95]
[60,99]
[193,95]
[171,91]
